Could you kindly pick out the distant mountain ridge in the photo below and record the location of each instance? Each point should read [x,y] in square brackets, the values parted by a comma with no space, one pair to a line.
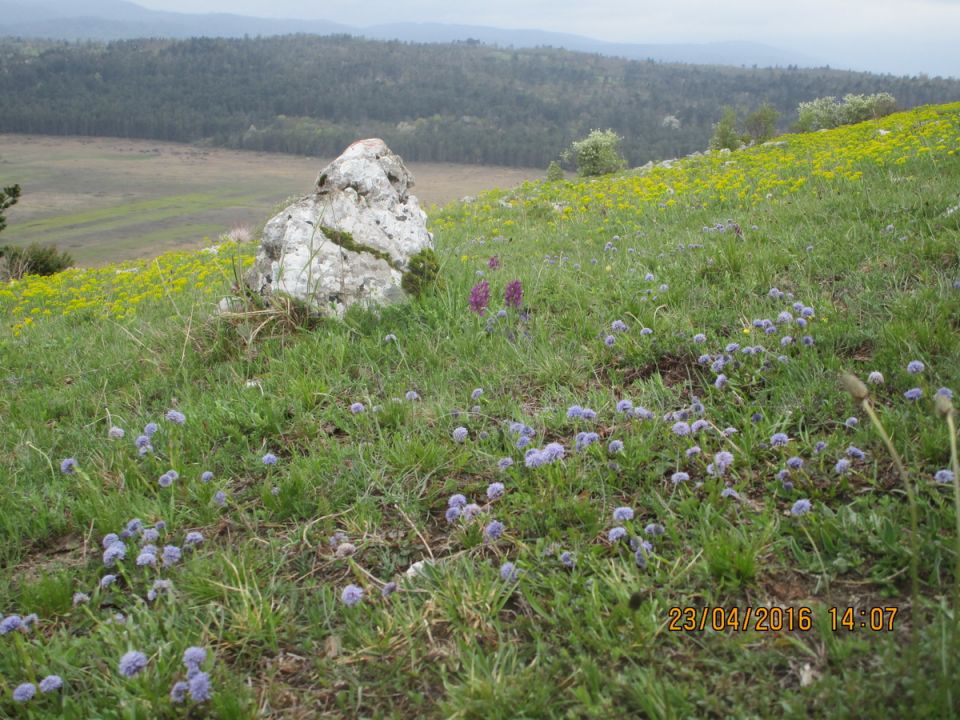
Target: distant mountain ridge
[717,53]
[119,20]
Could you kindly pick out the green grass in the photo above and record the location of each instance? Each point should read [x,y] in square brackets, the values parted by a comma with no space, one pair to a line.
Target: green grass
[262,591]
[107,218]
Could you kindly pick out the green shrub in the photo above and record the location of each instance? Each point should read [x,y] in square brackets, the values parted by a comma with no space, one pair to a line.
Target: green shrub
[725,135]
[761,124]
[8,198]
[597,154]
[859,108]
[554,172]
[422,274]
[35,259]
[828,112]
[820,113]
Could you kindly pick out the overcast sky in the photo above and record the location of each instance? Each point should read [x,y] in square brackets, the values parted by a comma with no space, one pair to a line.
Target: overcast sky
[904,36]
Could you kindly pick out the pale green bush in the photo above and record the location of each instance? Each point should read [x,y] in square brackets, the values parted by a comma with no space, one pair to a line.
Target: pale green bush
[597,154]
[828,112]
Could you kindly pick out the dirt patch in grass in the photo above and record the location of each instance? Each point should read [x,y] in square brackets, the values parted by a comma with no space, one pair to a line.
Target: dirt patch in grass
[66,552]
[862,352]
[798,589]
[673,370]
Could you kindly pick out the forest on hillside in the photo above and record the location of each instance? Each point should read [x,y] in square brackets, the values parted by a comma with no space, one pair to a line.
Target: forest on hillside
[462,102]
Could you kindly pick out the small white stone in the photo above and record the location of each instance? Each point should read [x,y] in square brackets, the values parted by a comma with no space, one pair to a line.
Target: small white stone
[416,569]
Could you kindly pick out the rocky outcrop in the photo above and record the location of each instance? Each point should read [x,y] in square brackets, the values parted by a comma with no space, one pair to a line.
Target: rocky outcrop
[348,242]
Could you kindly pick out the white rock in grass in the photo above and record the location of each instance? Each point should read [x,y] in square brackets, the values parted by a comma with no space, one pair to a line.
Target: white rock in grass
[808,675]
[418,568]
[348,242]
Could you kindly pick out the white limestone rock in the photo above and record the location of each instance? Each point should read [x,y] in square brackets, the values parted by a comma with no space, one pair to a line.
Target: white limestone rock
[348,242]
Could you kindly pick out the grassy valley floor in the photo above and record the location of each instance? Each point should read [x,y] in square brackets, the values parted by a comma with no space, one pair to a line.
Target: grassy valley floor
[107,200]
[565,506]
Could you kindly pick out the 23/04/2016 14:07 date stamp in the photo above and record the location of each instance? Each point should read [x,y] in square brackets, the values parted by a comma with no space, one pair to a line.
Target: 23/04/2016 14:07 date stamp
[775,619]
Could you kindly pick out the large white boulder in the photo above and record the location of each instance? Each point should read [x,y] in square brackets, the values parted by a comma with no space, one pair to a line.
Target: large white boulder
[350,240]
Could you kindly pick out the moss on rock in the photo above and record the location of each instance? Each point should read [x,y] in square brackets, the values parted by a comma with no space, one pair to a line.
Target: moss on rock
[346,241]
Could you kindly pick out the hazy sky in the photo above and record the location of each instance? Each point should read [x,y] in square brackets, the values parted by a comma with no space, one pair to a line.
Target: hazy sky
[904,36]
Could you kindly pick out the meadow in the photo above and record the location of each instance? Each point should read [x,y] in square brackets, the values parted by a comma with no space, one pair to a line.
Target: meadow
[606,468]
[107,200]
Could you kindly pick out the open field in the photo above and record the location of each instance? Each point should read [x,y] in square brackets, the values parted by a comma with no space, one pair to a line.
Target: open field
[107,200]
[636,488]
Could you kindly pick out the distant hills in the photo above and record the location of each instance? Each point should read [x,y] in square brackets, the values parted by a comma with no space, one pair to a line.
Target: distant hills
[717,53]
[120,20]
[457,102]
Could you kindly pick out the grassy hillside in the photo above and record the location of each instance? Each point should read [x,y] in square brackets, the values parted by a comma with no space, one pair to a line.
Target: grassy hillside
[753,481]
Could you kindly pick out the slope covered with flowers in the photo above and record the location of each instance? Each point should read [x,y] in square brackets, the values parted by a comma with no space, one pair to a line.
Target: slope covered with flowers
[605,469]
[832,161]
[769,174]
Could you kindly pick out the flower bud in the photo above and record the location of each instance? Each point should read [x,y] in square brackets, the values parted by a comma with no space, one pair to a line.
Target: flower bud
[943,405]
[345,549]
[853,385]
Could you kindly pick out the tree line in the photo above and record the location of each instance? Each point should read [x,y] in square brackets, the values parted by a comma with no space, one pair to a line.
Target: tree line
[460,102]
